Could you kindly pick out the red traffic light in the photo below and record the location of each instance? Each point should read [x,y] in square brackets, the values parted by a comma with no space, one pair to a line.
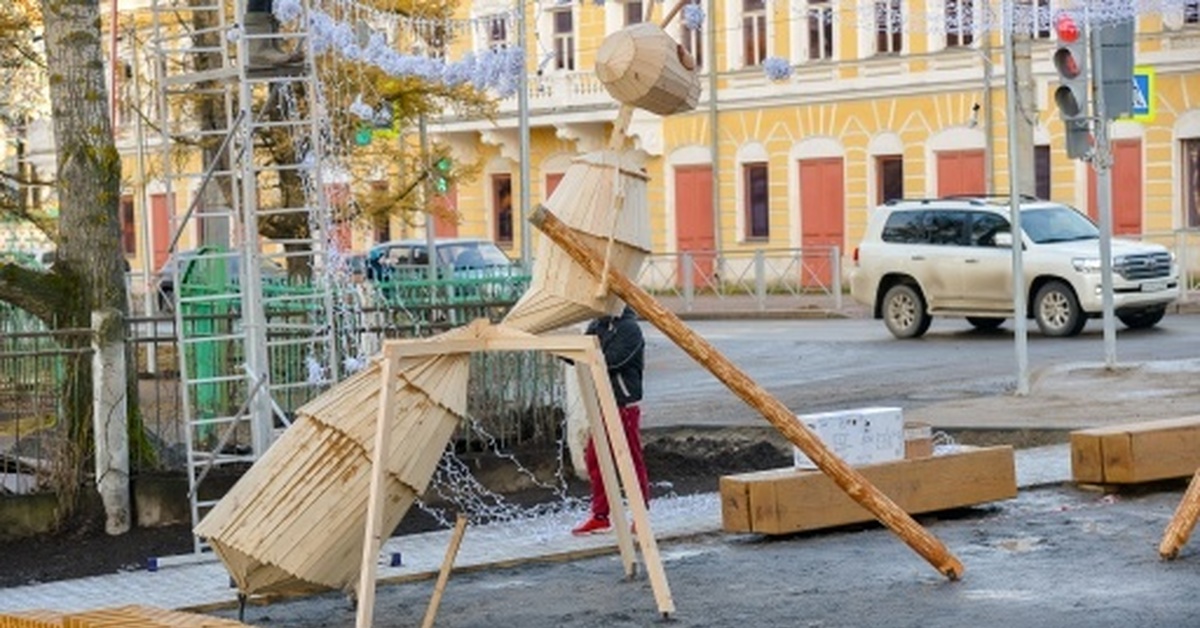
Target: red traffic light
[1066,28]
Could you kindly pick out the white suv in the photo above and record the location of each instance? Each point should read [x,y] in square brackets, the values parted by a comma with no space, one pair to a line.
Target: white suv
[952,257]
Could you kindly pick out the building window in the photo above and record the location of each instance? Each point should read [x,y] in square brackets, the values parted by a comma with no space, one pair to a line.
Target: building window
[1191,12]
[960,23]
[1191,182]
[889,27]
[889,178]
[497,36]
[693,40]
[757,201]
[128,227]
[502,208]
[820,30]
[127,103]
[1043,16]
[754,32]
[1041,171]
[564,40]
[633,12]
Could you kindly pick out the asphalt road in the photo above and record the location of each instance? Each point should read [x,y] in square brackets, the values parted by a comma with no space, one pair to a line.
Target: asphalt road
[819,365]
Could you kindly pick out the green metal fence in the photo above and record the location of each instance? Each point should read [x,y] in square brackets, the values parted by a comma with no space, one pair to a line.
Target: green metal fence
[33,365]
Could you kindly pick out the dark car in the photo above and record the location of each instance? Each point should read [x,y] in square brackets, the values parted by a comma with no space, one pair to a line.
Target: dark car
[184,261]
[455,256]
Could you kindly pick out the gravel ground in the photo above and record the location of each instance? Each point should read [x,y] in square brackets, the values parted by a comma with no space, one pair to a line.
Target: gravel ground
[1054,557]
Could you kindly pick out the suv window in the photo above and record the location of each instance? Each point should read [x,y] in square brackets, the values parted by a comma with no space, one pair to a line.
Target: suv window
[1057,224]
[985,226]
[904,228]
[931,226]
[946,227]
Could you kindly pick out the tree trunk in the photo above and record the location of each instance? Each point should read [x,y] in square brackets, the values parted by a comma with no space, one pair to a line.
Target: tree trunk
[89,170]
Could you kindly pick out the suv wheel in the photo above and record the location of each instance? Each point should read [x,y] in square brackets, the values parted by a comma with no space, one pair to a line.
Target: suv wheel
[904,312]
[1057,310]
[1143,319]
[985,323]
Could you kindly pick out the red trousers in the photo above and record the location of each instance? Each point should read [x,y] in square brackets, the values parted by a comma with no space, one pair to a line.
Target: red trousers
[631,416]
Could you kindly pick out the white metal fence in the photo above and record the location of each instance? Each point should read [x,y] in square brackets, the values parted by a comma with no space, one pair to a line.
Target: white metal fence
[810,275]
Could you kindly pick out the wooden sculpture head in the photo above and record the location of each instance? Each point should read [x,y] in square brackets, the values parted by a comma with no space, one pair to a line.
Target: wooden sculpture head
[642,66]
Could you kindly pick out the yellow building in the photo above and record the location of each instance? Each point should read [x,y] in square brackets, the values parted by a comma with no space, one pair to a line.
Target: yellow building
[886,98]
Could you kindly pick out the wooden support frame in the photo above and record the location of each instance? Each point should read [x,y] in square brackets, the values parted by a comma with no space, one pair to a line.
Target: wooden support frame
[784,420]
[612,448]
[460,527]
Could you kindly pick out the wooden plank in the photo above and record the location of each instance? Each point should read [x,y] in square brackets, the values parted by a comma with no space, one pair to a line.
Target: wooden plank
[460,526]
[611,419]
[604,458]
[784,420]
[373,534]
[786,501]
[1136,452]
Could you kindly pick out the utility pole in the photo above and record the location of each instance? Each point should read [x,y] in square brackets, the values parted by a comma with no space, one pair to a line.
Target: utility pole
[1022,32]
[1015,159]
[1112,44]
[1102,162]
[523,133]
[426,195]
[1095,67]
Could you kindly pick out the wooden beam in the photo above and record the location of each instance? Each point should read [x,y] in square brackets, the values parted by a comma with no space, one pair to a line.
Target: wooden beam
[604,459]
[633,488]
[784,420]
[373,535]
[460,526]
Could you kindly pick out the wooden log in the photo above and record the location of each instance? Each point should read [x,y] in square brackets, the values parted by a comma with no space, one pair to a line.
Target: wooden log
[784,420]
[460,526]
[1184,521]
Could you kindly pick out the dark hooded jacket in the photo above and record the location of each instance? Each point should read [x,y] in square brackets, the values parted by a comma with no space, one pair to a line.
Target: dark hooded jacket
[623,346]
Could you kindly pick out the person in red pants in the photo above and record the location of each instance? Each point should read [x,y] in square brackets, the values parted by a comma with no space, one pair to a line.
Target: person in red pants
[624,347]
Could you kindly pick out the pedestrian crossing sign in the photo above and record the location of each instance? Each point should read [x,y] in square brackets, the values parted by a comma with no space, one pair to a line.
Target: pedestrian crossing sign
[1143,94]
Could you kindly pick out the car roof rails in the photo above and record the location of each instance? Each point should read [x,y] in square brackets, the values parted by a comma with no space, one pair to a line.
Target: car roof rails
[992,197]
[925,201]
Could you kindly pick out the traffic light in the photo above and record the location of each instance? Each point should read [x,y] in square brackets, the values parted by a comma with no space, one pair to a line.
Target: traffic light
[1116,67]
[441,176]
[1071,97]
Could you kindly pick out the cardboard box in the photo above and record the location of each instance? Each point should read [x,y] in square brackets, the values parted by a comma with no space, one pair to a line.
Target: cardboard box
[785,501]
[860,436]
[1136,452]
[918,440]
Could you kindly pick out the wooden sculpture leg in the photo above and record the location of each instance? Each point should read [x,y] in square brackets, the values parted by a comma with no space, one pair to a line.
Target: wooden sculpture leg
[633,489]
[608,470]
[460,526]
[1180,528]
[373,535]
